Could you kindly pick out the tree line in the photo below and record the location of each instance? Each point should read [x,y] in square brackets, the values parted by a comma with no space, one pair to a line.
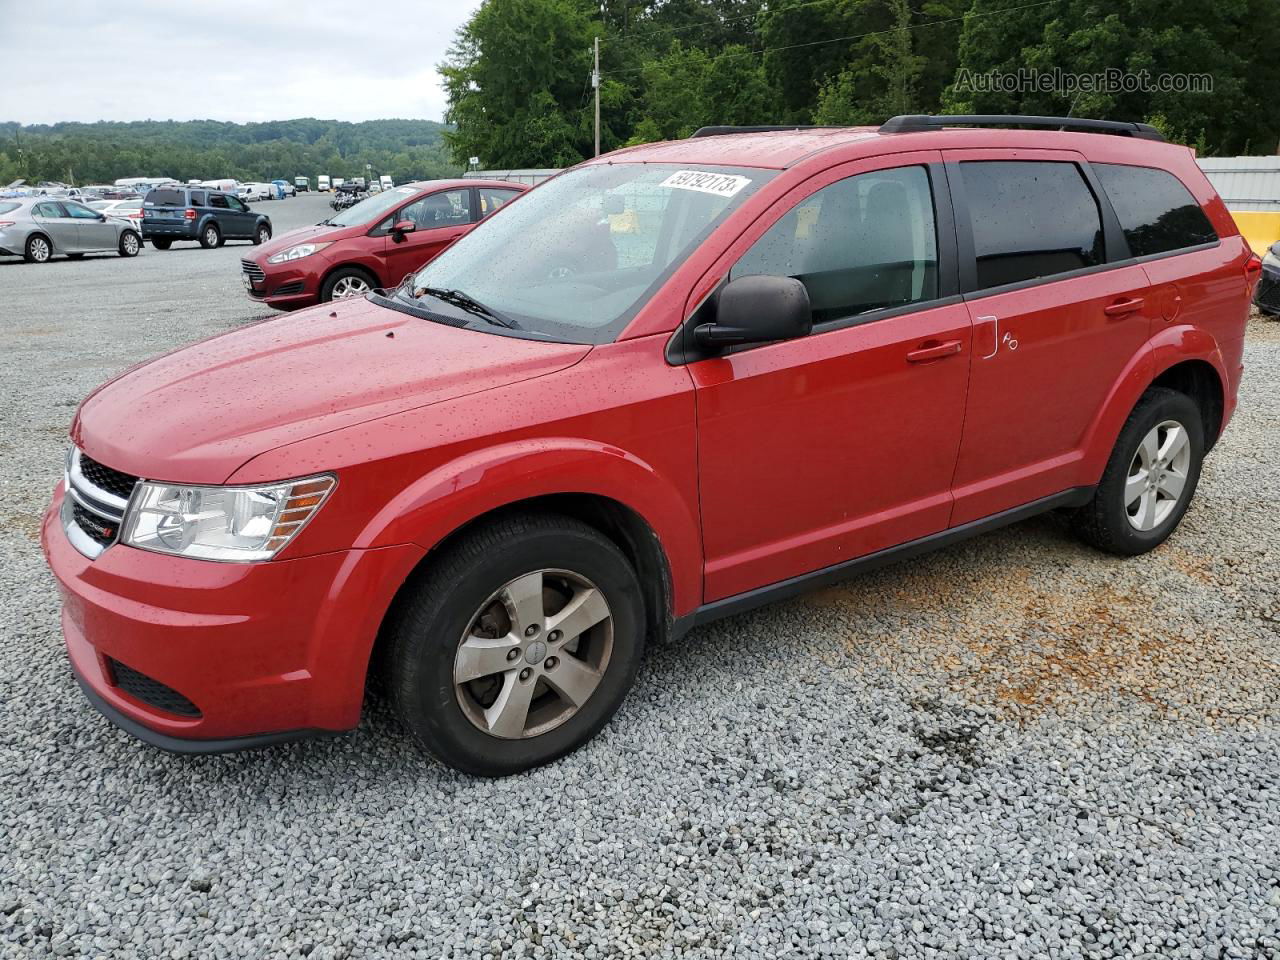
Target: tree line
[517,75]
[83,153]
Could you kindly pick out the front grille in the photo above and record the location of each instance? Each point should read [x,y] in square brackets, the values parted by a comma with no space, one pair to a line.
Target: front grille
[1267,294]
[112,481]
[254,271]
[98,529]
[288,288]
[95,502]
[150,691]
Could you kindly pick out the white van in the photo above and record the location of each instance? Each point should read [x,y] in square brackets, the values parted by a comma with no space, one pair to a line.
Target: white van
[225,186]
[322,183]
[385,182]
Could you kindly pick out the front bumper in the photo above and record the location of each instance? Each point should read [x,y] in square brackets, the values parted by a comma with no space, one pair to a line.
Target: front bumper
[285,286]
[1267,293]
[262,652]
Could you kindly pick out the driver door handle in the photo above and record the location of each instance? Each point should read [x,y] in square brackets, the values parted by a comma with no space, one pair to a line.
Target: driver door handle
[932,350]
[1122,307]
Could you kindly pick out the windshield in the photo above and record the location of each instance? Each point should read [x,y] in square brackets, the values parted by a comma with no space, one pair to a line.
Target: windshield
[575,259]
[371,208]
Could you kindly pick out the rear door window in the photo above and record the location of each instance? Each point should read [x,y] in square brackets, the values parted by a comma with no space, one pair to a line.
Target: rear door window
[9,207]
[167,198]
[218,200]
[1031,219]
[868,242]
[47,209]
[1156,212]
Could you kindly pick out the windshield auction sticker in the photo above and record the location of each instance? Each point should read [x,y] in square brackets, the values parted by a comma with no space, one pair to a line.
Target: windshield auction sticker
[721,184]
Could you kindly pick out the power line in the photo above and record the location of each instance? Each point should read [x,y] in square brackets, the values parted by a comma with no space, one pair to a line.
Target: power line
[856,36]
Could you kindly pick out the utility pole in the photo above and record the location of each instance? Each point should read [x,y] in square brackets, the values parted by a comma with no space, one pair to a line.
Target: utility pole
[595,82]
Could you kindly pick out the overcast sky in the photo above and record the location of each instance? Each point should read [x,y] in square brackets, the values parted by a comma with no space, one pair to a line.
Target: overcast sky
[224,59]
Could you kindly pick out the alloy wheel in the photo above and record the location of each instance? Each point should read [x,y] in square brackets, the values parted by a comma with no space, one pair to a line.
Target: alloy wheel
[40,250]
[130,244]
[349,287]
[533,654]
[1157,475]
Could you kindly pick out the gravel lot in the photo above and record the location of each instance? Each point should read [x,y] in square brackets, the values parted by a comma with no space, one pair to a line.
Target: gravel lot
[1015,748]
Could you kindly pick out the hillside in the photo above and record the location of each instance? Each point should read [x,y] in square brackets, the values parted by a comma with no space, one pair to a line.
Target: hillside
[207,149]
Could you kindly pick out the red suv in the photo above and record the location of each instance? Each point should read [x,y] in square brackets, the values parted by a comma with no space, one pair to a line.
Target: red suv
[670,384]
[371,244]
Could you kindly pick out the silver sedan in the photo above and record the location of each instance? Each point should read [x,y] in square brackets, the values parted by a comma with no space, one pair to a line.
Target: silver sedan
[37,228]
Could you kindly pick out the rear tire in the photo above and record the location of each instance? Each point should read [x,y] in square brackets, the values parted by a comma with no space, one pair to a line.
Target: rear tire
[161,243]
[1150,479]
[38,249]
[130,244]
[211,236]
[477,676]
[261,235]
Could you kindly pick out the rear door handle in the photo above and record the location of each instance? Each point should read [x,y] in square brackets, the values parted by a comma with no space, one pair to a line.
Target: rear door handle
[1121,307]
[934,351]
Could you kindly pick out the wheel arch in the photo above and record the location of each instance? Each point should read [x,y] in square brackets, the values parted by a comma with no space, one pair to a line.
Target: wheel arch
[1201,381]
[1183,357]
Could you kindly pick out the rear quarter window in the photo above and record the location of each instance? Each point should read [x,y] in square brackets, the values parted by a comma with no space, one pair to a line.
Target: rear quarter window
[1156,212]
[167,198]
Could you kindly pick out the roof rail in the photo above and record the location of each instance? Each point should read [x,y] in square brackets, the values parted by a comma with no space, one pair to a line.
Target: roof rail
[766,128]
[916,123]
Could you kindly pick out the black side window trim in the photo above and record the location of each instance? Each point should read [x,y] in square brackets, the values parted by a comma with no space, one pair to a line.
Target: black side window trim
[681,348]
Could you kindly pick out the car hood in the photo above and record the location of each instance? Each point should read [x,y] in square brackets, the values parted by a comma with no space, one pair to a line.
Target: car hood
[317,232]
[199,413]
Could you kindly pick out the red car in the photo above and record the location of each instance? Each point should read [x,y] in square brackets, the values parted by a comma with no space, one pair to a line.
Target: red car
[371,244]
[673,383]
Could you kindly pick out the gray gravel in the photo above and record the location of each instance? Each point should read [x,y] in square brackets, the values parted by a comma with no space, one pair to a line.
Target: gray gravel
[1016,748]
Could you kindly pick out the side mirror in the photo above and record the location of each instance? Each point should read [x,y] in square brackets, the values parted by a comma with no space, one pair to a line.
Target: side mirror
[758,310]
[401,228]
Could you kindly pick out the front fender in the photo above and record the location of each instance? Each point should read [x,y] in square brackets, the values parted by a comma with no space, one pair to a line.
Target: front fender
[1170,346]
[461,490]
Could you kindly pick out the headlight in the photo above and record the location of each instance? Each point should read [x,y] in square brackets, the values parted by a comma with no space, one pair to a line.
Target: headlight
[222,523]
[297,252]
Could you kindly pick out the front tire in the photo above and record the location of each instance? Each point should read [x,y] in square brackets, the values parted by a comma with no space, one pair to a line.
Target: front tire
[516,645]
[1150,479]
[38,249]
[346,282]
[211,237]
[130,244]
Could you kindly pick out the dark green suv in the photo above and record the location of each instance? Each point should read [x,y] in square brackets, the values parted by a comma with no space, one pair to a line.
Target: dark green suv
[207,216]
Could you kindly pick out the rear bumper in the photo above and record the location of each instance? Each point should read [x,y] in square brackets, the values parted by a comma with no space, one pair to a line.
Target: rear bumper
[261,652]
[187,230]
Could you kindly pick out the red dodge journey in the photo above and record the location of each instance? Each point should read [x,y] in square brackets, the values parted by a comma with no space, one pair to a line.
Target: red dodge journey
[670,384]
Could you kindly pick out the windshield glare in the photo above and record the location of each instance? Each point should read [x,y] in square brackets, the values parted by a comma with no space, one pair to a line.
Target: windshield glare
[371,208]
[575,259]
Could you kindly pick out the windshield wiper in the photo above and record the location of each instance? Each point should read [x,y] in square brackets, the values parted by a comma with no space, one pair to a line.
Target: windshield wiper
[469,304]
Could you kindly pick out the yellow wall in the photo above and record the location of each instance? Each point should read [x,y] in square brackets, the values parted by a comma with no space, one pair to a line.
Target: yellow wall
[1260,228]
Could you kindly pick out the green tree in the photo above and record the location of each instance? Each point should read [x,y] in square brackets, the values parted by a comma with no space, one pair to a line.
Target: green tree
[516,80]
[1173,37]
